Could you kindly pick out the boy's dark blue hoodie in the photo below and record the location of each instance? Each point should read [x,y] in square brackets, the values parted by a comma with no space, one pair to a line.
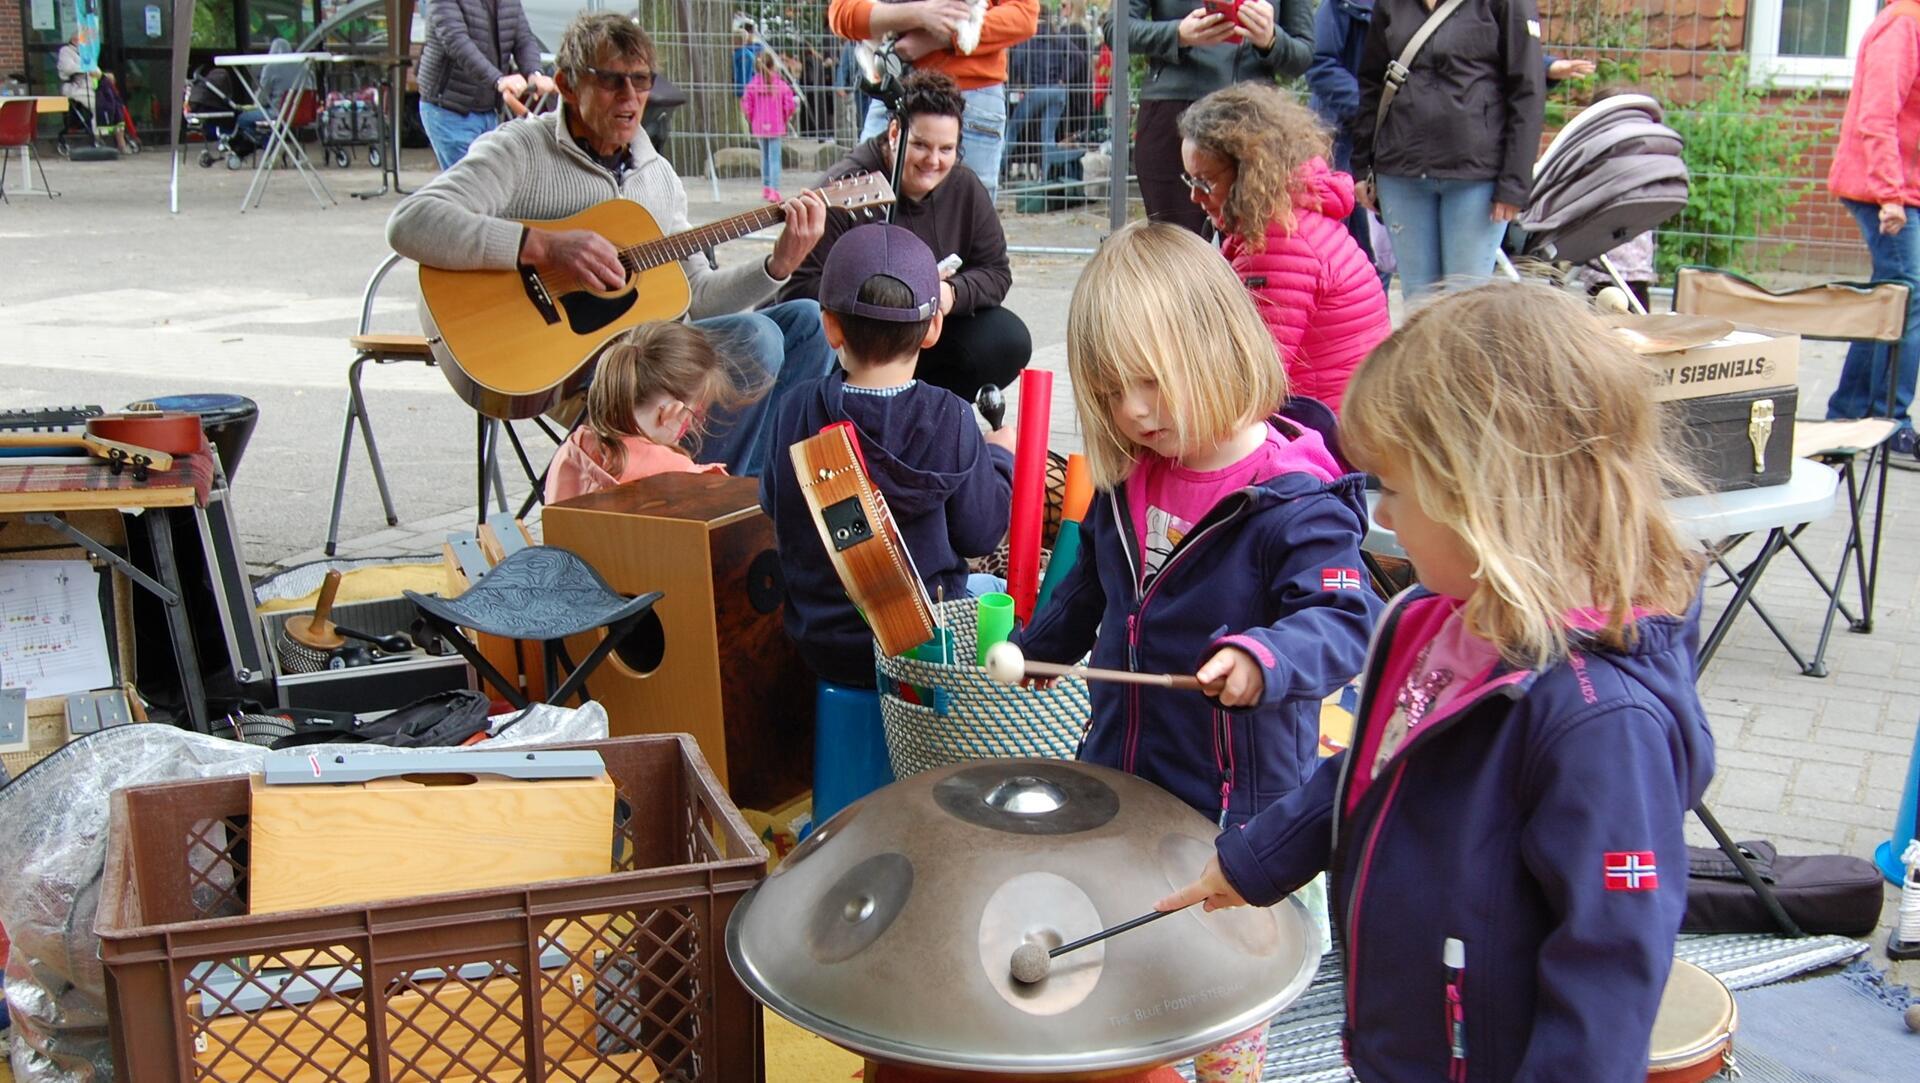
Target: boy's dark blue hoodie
[950,493]
[1537,820]
[1277,567]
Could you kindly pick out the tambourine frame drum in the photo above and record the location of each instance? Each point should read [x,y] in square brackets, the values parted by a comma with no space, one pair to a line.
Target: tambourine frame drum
[889,931]
[1693,1033]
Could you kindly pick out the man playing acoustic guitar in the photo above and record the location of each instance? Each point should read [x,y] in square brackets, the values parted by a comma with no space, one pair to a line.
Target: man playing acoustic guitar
[591,149]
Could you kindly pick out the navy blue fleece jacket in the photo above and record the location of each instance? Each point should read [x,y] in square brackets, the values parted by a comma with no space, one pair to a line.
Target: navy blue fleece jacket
[1537,820]
[949,491]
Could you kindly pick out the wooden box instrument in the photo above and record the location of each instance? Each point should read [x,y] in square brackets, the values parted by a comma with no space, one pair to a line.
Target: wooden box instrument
[1729,393]
[719,664]
[325,845]
[861,539]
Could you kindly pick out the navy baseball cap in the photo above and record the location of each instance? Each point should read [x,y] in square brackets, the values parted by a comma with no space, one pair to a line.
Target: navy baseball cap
[880,248]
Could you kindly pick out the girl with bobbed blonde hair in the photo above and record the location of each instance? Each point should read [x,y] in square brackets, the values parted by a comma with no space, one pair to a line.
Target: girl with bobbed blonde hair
[1226,541]
[1504,835]
[1256,162]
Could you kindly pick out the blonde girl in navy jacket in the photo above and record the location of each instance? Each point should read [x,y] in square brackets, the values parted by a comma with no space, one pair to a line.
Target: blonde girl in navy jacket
[1505,835]
[1225,540]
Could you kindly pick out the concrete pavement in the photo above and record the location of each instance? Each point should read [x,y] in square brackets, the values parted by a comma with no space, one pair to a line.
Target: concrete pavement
[110,299]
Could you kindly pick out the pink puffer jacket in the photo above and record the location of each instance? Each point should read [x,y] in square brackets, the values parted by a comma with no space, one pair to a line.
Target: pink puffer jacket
[1316,289]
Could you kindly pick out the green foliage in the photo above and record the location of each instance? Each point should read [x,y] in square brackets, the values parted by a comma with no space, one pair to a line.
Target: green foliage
[1748,160]
[1615,39]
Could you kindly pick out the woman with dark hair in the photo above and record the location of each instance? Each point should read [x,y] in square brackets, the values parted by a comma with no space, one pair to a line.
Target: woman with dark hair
[1452,160]
[943,203]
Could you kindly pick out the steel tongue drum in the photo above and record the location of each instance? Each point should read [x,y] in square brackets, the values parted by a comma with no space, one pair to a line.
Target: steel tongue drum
[890,930]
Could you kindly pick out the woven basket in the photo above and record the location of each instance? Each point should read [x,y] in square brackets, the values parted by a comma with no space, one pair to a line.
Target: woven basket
[966,715]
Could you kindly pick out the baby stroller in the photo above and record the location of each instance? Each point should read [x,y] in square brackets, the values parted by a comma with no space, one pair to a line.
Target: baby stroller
[213,112]
[1613,173]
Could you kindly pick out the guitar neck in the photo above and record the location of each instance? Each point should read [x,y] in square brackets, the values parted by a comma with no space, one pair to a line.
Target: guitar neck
[679,246]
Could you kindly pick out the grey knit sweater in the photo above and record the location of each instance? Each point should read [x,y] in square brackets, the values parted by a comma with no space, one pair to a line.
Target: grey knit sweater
[532,169]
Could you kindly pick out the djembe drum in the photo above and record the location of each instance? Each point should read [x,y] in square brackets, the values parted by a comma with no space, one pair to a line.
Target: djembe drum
[890,931]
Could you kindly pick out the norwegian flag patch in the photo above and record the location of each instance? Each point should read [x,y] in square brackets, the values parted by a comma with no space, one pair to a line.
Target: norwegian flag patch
[1341,579]
[1631,870]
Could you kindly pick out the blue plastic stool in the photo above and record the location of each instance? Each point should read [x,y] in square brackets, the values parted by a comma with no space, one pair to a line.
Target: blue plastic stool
[849,748]
[1906,824]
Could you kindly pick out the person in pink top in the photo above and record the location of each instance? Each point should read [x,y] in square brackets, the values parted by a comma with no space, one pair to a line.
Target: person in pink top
[652,392]
[768,103]
[1256,161]
[1876,174]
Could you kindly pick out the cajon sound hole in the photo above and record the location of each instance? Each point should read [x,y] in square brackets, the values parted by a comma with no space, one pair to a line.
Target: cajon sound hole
[644,648]
[441,780]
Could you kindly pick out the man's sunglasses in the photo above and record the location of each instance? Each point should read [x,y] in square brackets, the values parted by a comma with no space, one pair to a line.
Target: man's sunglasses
[612,81]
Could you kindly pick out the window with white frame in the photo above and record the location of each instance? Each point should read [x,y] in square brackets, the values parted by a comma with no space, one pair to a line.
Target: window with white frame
[1807,43]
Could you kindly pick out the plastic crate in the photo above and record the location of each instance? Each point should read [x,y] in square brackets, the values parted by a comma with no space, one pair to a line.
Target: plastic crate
[609,978]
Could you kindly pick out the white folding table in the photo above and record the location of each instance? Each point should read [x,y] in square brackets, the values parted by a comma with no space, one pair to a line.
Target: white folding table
[281,141]
[1720,520]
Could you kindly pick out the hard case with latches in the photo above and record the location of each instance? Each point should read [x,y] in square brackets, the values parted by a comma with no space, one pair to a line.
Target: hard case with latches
[1740,440]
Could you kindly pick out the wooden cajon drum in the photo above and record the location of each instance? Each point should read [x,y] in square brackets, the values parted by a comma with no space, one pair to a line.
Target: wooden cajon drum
[721,666]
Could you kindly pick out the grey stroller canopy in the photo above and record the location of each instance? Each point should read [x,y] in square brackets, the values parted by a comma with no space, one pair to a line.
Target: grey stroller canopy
[1611,174]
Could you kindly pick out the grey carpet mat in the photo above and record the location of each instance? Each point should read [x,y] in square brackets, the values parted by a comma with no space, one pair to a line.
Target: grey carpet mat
[1303,1045]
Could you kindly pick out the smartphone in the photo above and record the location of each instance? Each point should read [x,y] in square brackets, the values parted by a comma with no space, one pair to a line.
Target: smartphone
[1229,8]
[950,264]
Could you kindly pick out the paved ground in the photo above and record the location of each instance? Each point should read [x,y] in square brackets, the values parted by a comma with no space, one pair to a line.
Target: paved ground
[111,299]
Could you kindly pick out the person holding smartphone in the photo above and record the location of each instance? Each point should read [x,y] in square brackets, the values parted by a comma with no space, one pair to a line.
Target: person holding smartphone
[1193,48]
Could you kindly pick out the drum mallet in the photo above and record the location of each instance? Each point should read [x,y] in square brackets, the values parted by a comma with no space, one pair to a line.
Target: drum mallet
[1033,962]
[1006,664]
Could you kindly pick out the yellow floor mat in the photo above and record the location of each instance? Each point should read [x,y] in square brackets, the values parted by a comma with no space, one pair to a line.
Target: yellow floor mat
[795,1056]
[370,584]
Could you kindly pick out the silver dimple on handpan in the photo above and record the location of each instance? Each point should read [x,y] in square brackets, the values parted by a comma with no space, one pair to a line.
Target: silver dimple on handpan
[1044,797]
[909,905]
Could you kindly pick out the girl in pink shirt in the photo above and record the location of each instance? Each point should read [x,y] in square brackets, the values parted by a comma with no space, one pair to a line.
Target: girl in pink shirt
[652,392]
[768,103]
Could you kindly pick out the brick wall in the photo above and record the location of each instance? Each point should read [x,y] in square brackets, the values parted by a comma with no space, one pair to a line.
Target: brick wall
[13,55]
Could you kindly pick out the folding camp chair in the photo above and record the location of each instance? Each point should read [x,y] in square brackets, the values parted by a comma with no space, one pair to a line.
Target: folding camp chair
[1860,450]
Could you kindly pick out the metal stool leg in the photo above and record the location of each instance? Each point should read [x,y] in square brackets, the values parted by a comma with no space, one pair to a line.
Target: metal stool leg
[373,449]
[346,452]
[452,634]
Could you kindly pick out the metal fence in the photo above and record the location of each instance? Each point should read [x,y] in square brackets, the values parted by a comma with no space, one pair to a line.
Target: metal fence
[1739,86]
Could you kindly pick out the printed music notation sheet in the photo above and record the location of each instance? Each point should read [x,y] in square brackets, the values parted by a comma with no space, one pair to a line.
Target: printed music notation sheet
[53,640]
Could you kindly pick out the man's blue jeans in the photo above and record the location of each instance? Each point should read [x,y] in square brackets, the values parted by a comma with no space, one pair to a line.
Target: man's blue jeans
[452,133]
[780,347]
[1863,380]
[1441,229]
[983,129]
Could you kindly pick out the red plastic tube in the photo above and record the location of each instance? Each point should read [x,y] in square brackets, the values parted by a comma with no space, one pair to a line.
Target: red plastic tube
[1029,491]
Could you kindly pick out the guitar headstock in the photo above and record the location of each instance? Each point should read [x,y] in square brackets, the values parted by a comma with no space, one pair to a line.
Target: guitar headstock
[859,192]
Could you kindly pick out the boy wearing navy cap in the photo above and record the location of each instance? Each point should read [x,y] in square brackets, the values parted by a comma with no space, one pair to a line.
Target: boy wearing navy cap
[949,488]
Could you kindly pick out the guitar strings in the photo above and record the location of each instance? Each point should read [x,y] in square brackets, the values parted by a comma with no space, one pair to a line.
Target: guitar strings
[647,255]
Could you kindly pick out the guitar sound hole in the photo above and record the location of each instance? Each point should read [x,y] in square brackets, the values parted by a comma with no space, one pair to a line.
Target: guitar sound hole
[589,312]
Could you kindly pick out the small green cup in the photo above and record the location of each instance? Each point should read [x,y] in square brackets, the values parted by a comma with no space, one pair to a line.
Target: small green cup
[994,624]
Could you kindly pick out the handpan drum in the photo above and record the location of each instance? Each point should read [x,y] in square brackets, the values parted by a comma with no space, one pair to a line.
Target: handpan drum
[890,931]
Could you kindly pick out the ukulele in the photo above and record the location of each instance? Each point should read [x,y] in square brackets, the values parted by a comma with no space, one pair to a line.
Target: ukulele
[861,539]
[118,455]
[516,343]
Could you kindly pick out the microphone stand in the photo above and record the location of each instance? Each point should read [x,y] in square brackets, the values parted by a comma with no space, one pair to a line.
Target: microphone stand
[880,79]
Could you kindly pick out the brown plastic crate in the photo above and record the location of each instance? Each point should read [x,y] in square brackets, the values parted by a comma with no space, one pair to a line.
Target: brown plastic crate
[438,987]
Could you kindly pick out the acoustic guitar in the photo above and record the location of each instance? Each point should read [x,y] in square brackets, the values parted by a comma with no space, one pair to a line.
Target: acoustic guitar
[516,343]
[861,539]
[118,455]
